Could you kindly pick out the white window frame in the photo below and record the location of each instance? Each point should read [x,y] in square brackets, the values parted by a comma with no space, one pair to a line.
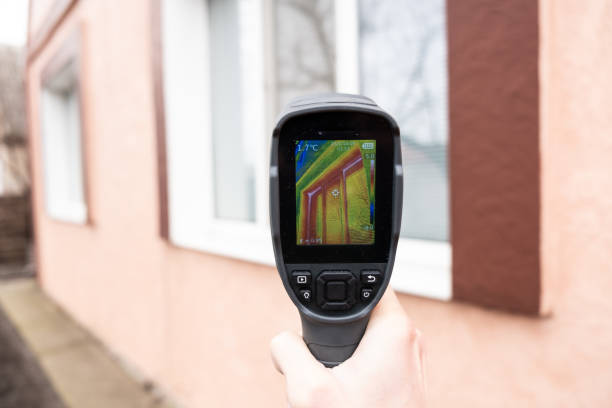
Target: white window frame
[422,267]
[191,206]
[58,207]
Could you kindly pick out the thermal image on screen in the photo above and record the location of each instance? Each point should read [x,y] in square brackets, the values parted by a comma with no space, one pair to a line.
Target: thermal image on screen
[335,192]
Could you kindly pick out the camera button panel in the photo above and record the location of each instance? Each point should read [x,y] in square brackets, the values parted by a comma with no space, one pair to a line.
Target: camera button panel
[324,288]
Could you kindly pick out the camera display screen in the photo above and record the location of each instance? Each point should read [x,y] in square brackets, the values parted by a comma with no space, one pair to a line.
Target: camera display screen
[334,187]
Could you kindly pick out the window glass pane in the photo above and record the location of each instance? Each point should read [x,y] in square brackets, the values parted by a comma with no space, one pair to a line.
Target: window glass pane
[62,148]
[234,169]
[402,47]
[305,56]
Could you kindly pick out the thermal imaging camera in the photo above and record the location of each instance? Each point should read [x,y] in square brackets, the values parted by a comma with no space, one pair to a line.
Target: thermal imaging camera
[335,210]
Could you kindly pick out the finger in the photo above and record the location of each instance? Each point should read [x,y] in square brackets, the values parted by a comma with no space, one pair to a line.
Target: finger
[387,320]
[389,305]
[420,355]
[304,375]
[291,355]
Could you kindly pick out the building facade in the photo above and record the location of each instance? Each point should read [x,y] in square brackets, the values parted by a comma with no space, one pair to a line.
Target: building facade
[150,122]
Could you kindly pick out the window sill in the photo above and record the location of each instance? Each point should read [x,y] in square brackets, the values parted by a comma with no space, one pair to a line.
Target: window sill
[240,240]
[73,213]
[422,268]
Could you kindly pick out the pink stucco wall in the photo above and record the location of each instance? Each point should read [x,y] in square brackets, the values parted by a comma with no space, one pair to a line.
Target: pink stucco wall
[38,10]
[152,304]
[483,358]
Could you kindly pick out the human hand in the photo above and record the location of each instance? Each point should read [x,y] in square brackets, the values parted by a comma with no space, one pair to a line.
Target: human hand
[386,370]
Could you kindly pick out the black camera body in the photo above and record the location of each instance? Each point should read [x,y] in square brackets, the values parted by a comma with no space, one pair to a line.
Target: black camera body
[335,214]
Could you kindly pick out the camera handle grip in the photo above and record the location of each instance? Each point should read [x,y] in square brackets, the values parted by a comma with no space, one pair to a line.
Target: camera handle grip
[332,343]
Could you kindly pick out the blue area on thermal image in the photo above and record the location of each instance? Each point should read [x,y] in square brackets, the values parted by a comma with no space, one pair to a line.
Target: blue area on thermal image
[305,155]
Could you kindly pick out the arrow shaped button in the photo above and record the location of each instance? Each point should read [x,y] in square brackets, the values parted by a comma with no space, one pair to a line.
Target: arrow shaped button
[371,277]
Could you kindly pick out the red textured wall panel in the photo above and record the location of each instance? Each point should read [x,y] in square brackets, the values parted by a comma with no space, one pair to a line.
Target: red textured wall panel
[494,152]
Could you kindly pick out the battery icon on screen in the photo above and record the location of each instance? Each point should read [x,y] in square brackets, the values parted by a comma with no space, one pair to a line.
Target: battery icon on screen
[367,146]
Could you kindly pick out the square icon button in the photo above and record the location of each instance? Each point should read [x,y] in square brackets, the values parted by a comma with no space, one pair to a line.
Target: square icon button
[366,294]
[301,278]
[305,296]
[371,277]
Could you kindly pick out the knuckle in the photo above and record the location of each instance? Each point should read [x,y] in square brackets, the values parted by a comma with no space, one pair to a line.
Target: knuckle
[318,394]
[419,339]
[320,390]
[407,334]
[280,339]
[404,329]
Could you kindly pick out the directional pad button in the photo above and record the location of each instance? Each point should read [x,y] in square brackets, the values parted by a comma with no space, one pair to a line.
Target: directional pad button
[336,290]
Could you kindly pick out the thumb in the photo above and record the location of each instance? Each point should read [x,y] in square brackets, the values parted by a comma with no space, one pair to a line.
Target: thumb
[291,355]
[304,375]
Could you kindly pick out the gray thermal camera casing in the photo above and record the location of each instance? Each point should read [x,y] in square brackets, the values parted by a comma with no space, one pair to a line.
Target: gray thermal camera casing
[332,330]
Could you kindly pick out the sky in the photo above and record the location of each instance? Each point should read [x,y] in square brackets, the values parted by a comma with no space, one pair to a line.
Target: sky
[13,22]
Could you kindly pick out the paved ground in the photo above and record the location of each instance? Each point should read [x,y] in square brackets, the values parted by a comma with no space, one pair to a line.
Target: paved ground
[22,382]
[82,372]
